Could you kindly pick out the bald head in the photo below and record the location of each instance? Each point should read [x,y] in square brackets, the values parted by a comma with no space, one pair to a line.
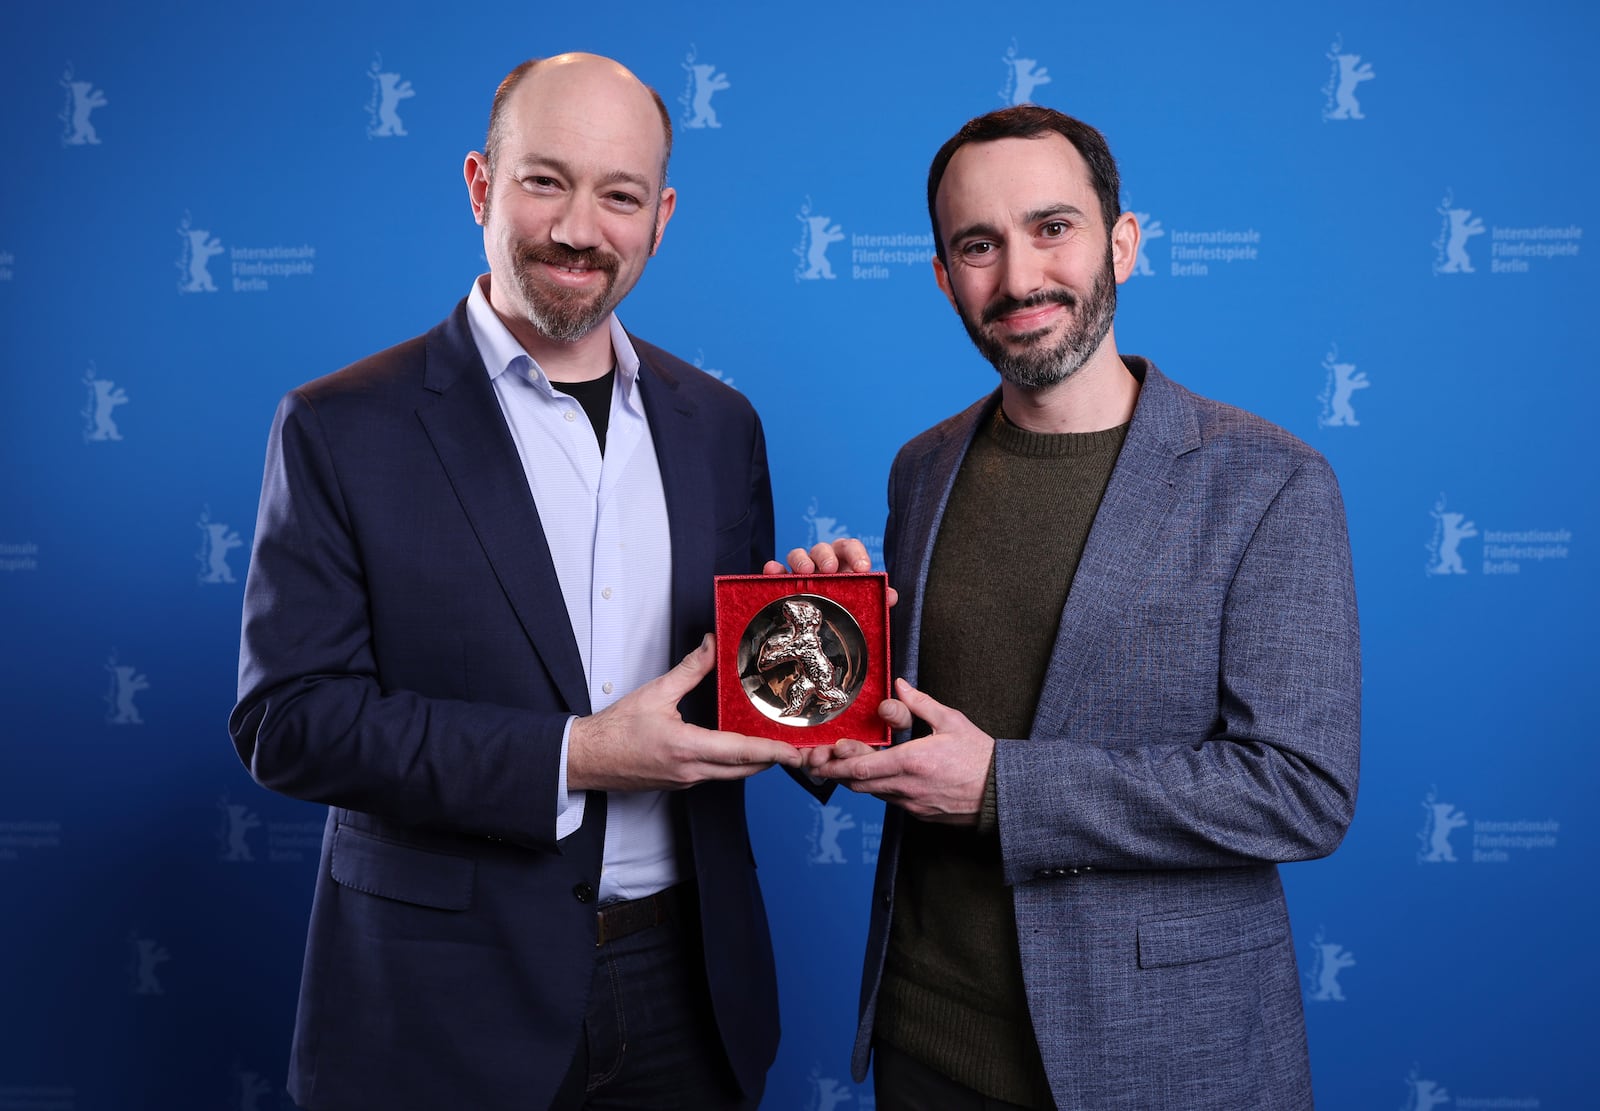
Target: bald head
[576,88]
[572,197]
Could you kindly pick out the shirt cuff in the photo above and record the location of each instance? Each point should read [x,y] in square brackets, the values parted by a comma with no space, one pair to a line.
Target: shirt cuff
[569,807]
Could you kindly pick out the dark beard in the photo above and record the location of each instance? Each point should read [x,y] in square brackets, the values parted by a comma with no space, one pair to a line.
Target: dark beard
[566,315]
[1023,361]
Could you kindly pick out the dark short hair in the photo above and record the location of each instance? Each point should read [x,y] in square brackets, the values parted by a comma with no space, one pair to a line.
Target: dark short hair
[1030,121]
[491,142]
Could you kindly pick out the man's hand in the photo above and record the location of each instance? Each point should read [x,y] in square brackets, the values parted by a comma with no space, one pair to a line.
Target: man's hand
[641,743]
[844,555]
[938,778]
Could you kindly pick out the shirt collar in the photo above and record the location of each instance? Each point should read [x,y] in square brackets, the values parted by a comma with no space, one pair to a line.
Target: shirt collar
[501,352]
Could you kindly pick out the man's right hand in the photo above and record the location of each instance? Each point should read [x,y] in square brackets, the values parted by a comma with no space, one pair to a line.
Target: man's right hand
[641,743]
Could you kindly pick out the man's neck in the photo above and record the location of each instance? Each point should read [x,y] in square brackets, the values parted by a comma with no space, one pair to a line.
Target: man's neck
[1101,394]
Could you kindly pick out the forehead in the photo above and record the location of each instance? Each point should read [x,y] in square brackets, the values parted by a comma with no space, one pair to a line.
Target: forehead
[588,115]
[1005,178]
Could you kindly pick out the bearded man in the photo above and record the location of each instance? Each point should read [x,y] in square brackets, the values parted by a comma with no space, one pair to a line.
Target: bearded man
[477,556]
[1131,687]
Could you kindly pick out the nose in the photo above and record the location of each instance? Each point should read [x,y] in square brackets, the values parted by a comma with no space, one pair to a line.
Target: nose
[1022,273]
[575,226]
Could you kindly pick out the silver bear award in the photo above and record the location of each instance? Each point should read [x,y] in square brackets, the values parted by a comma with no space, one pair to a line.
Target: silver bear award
[802,660]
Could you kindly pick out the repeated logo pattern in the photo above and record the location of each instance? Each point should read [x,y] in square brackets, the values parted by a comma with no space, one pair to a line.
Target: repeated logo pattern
[383,107]
[1349,71]
[702,83]
[83,98]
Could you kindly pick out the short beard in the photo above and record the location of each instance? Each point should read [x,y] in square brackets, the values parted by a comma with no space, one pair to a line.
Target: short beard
[1023,361]
[565,315]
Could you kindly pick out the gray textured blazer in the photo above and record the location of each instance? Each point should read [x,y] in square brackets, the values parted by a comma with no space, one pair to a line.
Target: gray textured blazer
[1199,723]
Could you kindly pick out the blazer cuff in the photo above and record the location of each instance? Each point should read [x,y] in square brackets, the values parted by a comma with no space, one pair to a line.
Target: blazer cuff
[988,812]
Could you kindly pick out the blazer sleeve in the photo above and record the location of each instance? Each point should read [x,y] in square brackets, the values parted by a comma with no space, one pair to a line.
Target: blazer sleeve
[1274,776]
[314,720]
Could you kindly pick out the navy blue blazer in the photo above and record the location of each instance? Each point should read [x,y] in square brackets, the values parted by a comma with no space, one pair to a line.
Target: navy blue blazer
[407,660]
[1199,723]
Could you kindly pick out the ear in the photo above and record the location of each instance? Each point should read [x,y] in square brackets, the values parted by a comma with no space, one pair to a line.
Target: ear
[1124,246]
[942,276]
[476,171]
[664,211]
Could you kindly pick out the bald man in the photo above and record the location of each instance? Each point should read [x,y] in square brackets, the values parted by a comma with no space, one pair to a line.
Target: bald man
[476,628]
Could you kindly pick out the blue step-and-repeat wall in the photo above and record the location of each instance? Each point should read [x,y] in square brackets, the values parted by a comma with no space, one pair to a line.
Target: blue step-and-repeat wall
[1365,221]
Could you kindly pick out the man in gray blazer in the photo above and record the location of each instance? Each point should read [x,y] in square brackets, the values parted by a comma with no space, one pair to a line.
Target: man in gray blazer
[1127,630]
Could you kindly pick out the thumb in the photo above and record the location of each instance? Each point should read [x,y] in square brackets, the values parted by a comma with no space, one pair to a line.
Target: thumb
[895,713]
[691,669]
[924,706]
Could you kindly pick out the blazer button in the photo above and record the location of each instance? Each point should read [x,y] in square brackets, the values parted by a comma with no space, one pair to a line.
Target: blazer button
[885,900]
[583,892]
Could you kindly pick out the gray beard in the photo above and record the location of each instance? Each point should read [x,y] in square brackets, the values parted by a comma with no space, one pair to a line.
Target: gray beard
[565,319]
[1035,366]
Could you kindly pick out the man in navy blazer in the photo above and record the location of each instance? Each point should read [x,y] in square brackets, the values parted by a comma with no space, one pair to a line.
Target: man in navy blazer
[1127,630]
[478,555]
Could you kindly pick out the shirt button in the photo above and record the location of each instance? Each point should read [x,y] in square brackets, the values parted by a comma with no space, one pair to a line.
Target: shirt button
[605,592]
[605,688]
[569,416]
[583,892]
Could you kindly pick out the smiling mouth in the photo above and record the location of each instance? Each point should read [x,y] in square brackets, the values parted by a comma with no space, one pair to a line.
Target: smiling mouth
[1030,316]
[573,275]
[1030,321]
[564,265]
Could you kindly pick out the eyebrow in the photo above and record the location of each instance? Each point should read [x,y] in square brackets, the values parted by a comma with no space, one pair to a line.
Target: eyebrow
[615,177]
[1035,216]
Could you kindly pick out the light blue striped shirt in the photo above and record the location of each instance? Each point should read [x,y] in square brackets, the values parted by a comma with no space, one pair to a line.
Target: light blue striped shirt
[605,520]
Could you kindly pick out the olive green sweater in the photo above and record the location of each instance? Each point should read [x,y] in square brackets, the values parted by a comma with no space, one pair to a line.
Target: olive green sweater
[1007,549]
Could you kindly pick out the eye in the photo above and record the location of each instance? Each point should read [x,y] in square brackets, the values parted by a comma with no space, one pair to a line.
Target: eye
[977,252]
[1055,229]
[626,202]
[540,183]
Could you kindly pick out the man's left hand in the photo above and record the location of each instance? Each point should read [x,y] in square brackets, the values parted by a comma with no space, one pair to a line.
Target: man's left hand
[847,554]
[938,778]
[842,556]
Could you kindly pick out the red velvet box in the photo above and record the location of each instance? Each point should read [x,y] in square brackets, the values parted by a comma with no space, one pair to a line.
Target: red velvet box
[803,658]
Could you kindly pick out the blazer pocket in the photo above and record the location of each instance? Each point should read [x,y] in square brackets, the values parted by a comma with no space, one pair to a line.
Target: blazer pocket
[363,862]
[732,545]
[1165,941]
[1159,615]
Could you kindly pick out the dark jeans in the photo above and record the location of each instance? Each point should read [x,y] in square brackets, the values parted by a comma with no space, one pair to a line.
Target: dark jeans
[650,1041]
[903,1083]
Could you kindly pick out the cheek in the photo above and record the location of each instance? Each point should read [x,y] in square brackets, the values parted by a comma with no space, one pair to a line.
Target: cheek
[632,247]
[972,288]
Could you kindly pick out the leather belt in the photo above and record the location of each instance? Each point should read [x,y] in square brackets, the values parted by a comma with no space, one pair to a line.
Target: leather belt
[618,920]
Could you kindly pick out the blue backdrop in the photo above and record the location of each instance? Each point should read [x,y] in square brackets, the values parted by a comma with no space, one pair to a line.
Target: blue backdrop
[1364,221]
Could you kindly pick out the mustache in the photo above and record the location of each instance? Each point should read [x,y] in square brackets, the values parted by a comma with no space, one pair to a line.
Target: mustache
[994,310]
[559,254]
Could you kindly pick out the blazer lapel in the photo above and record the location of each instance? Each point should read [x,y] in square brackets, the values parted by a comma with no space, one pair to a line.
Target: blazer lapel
[930,493]
[469,433]
[685,479]
[1126,537]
